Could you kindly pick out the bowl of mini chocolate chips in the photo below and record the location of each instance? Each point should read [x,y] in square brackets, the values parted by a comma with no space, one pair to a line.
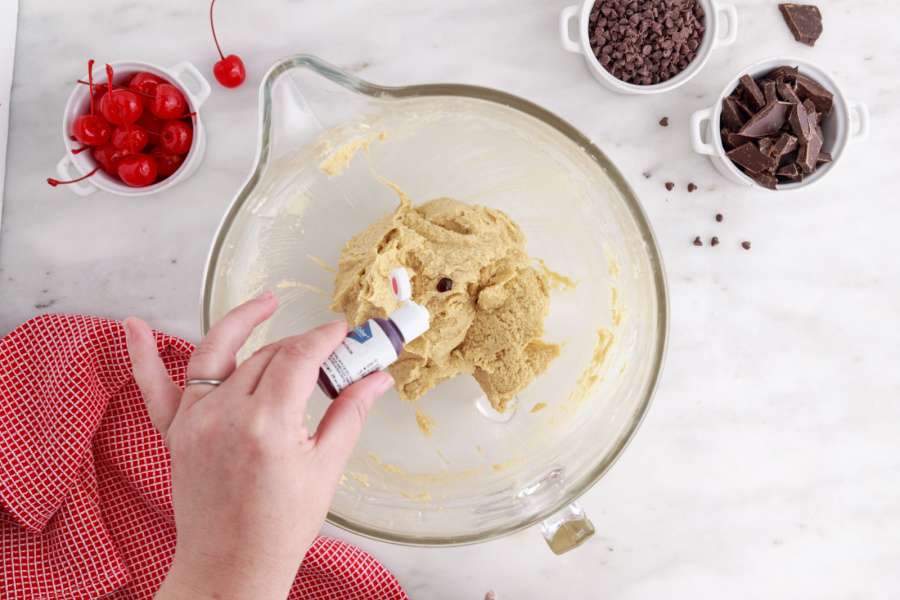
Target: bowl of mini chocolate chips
[646,46]
[781,124]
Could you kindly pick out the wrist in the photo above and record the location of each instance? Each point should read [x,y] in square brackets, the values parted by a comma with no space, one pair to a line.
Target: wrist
[195,576]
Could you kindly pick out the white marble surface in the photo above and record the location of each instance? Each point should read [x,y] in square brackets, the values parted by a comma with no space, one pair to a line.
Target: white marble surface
[769,465]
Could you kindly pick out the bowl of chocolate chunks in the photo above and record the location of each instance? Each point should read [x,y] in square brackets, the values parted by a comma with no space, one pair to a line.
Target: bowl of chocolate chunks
[781,124]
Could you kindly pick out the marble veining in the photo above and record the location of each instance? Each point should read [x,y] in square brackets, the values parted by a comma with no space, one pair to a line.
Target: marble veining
[769,465]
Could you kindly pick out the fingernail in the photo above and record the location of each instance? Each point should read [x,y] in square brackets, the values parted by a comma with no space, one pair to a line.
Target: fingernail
[386,382]
[129,333]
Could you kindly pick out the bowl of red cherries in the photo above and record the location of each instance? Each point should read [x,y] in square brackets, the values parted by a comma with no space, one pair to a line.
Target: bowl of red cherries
[132,128]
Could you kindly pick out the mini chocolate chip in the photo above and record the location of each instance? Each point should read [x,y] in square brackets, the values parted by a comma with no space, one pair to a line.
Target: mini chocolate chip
[646,174]
[719,217]
[445,284]
[670,185]
[745,245]
[664,122]
[691,187]
[698,241]
[714,241]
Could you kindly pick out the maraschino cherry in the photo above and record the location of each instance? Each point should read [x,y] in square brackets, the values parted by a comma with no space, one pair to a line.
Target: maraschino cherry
[91,129]
[176,137]
[168,103]
[132,138]
[120,106]
[229,70]
[166,163]
[137,170]
[144,83]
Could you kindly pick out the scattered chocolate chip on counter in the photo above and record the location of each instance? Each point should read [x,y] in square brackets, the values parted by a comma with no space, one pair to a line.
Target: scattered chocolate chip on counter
[745,245]
[646,174]
[698,241]
[670,185]
[445,284]
[714,241]
[664,122]
[804,21]
[719,217]
[772,126]
[646,42]
[692,186]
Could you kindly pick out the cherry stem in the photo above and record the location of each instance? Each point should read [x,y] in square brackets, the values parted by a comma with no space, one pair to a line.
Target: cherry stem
[109,77]
[56,182]
[80,150]
[91,81]
[213,27]
[138,92]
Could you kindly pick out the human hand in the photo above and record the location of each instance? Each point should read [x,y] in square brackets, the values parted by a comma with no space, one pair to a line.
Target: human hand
[250,486]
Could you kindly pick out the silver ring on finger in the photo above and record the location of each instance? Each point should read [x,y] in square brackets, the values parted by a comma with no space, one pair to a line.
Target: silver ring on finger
[212,382]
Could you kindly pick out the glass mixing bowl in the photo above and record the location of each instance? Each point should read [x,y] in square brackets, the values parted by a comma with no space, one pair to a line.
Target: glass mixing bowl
[478,474]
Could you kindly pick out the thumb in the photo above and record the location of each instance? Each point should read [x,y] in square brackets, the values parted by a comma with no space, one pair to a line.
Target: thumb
[161,395]
[344,419]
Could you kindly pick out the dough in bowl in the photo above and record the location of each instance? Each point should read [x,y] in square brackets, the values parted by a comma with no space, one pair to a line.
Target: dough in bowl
[489,324]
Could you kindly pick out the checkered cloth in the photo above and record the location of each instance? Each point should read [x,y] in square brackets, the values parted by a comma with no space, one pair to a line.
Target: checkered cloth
[85,488]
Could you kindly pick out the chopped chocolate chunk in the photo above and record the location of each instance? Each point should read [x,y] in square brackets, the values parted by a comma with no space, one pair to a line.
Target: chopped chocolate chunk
[799,120]
[784,73]
[670,185]
[809,154]
[787,93]
[692,186]
[767,121]
[714,241]
[808,89]
[785,144]
[804,21]
[719,217]
[445,284]
[732,115]
[733,140]
[755,98]
[664,122]
[767,180]
[698,241]
[788,158]
[769,91]
[765,145]
[789,172]
[745,245]
[751,159]
[824,157]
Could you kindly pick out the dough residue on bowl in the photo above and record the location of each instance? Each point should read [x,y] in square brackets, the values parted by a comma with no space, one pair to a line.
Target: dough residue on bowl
[490,322]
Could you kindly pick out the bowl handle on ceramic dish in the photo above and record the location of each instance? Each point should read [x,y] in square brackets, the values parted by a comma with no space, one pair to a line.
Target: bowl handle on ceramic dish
[567,529]
[698,120]
[726,13]
[565,17]
[64,168]
[859,113]
[190,78]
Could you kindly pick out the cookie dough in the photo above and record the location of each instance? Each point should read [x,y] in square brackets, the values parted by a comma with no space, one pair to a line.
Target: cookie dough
[488,325]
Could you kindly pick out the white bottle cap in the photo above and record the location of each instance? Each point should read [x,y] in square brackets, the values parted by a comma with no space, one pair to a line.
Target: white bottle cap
[411,319]
[400,284]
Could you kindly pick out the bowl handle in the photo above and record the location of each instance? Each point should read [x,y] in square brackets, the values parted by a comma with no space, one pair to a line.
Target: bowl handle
[189,77]
[65,170]
[860,113]
[567,529]
[726,13]
[565,17]
[698,124]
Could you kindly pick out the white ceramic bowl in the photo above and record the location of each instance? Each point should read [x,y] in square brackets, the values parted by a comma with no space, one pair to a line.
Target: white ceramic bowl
[848,121]
[196,90]
[721,30]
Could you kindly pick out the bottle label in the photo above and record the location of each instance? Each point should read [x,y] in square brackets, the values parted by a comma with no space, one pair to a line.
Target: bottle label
[365,349]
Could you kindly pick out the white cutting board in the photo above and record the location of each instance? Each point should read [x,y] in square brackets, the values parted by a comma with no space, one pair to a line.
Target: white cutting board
[9,10]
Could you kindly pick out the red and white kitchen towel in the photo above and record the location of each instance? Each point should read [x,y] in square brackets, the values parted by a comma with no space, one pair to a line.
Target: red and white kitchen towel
[85,488]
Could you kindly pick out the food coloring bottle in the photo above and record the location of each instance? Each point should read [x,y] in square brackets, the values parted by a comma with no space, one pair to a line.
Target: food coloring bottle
[377,343]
